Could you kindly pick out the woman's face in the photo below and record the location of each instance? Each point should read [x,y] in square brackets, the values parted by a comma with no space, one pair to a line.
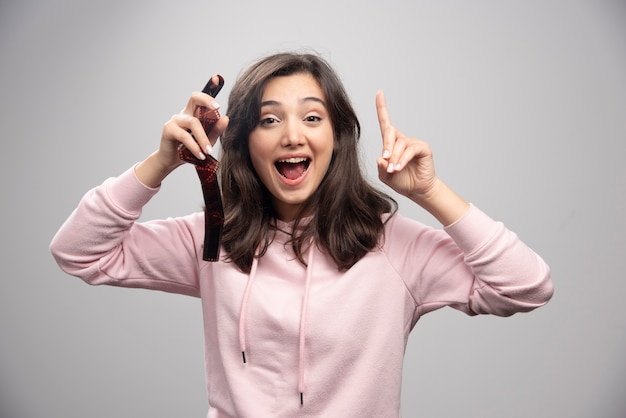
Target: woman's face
[292,145]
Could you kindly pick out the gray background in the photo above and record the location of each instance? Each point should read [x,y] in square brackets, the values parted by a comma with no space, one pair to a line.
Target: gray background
[523,103]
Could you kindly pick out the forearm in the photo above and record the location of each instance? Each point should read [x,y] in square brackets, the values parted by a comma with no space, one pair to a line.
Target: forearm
[99,222]
[443,203]
[151,172]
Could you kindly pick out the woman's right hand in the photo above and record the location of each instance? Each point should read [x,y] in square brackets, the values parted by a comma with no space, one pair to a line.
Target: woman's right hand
[186,129]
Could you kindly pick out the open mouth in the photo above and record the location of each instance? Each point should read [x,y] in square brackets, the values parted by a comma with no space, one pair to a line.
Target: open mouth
[292,168]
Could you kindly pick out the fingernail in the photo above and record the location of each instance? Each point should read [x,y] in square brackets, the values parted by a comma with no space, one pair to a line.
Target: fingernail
[386,153]
[201,156]
[215,105]
[390,168]
[209,149]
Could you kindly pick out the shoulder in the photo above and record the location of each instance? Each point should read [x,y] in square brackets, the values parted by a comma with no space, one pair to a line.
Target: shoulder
[405,236]
[398,225]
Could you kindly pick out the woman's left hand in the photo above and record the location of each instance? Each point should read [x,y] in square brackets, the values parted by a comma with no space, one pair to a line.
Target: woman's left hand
[407,167]
[407,163]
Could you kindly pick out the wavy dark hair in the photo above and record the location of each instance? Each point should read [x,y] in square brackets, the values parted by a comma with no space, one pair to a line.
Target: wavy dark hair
[344,215]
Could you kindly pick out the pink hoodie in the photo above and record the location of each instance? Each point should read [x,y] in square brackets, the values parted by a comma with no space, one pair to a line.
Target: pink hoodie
[287,340]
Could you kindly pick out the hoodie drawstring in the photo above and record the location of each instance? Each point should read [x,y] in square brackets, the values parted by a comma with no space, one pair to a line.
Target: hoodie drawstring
[243,315]
[303,315]
[303,318]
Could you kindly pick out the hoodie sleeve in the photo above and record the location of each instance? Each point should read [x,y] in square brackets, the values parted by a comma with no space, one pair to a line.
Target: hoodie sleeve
[475,265]
[102,243]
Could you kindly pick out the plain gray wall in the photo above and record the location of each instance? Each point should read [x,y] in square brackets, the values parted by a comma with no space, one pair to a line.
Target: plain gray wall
[523,102]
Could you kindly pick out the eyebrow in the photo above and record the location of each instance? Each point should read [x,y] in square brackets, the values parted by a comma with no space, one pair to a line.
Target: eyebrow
[306,99]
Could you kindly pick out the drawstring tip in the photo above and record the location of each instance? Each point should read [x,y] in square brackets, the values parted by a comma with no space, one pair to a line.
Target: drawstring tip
[243,354]
[301,399]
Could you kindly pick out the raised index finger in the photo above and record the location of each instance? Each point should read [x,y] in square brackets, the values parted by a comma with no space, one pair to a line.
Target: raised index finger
[384,120]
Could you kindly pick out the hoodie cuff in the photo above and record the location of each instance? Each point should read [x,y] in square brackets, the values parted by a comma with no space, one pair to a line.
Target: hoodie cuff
[128,193]
[472,230]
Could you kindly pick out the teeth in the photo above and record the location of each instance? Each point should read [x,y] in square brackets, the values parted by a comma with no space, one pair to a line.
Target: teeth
[293,160]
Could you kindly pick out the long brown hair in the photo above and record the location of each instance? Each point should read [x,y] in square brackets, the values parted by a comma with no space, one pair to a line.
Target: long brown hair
[345,211]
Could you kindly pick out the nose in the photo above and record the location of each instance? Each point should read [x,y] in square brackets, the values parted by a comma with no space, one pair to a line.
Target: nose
[292,134]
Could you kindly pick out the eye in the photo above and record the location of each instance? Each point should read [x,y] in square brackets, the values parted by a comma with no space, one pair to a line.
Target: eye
[267,121]
[313,118]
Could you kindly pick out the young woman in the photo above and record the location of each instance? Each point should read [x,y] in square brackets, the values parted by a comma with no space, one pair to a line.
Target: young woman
[308,310]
